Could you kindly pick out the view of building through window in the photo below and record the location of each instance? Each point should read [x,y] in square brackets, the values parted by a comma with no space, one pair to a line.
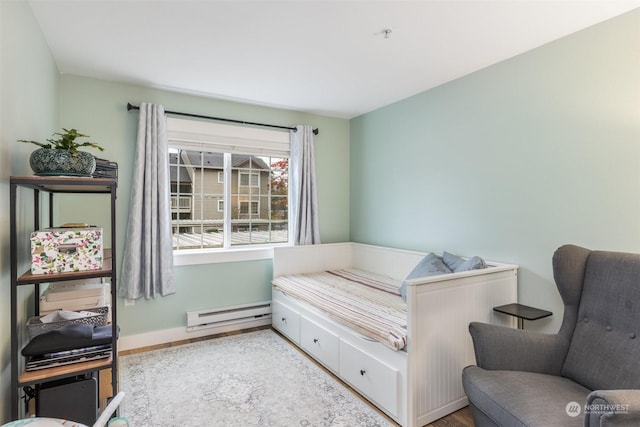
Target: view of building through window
[209,212]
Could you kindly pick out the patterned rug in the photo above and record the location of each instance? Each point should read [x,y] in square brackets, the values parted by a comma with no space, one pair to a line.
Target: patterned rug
[250,379]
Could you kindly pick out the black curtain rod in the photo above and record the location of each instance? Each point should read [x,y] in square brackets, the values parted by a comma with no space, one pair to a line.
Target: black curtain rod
[177,113]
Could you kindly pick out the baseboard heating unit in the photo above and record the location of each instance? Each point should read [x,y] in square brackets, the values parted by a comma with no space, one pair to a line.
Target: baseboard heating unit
[254,314]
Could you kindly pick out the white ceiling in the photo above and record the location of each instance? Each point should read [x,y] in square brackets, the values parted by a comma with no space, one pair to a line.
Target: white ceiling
[325,57]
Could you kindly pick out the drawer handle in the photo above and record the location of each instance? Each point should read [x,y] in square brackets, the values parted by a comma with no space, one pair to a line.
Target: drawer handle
[284,319]
[315,340]
[362,372]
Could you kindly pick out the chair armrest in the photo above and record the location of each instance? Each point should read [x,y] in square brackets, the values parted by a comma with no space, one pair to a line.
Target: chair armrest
[499,347]
[612,408]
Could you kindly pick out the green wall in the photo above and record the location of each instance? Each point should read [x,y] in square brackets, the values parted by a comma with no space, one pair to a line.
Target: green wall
[512,161]
[29,92]
[98,108]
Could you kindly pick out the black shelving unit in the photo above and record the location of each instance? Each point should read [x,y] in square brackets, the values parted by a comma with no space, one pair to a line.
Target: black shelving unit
[52,186]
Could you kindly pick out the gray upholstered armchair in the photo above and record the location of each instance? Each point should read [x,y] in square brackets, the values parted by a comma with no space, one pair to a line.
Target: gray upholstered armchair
[586,374]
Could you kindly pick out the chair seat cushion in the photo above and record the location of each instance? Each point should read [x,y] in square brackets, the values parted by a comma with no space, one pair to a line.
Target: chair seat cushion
[515,398]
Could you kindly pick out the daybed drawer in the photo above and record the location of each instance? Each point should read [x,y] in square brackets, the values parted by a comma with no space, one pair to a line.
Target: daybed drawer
[370,376]
[320,343]
[286,320]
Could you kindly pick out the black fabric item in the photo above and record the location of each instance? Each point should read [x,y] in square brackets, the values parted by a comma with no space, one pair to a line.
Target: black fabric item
[68,338]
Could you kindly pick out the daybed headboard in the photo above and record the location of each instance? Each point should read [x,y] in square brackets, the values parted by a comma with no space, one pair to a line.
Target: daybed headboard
[390,262]
[310,258]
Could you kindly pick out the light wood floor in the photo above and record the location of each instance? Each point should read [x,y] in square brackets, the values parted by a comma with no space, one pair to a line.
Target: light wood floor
[461,418]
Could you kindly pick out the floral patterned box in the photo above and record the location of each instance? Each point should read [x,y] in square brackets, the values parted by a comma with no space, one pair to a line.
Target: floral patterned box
[62,250]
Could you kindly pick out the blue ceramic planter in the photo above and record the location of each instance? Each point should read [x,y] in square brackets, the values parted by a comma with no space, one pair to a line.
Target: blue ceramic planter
[48,161]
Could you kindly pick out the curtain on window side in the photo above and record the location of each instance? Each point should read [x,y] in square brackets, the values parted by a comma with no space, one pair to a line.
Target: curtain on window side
[304,200]
[147,267]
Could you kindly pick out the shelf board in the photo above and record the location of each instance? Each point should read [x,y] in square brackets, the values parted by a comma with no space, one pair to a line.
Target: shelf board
[50,374]
[29,278]
[64,184]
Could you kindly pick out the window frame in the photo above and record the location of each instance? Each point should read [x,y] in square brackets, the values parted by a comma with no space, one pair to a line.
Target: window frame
[214,137]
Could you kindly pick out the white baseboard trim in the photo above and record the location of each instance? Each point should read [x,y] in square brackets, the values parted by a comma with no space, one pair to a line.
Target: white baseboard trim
[165,336]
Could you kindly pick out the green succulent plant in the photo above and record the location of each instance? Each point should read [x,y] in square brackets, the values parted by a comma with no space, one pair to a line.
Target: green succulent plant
[66,141]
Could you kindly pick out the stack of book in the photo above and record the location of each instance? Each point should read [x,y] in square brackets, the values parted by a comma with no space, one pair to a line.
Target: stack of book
[105,169]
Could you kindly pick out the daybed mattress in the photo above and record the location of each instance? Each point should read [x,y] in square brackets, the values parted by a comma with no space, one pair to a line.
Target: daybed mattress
[368,303]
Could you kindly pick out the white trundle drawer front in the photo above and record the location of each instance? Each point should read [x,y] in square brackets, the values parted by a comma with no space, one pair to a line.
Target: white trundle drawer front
[320,343]
[370,376]
[286,320]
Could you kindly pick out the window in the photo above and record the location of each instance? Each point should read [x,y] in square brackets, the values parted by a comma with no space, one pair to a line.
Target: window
[249,179]
[229,186]
[248,207]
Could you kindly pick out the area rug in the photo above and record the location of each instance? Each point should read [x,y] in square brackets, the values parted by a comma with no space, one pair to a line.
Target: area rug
[250,379]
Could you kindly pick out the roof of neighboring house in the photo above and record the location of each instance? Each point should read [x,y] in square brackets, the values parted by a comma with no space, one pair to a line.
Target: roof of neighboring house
[210,160]
[184,175]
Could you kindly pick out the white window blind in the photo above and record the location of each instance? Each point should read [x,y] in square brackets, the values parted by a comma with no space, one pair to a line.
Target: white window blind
[210,136]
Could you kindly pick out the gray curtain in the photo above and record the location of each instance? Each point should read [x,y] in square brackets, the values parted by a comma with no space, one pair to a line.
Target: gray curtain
[147,266]
[304,200]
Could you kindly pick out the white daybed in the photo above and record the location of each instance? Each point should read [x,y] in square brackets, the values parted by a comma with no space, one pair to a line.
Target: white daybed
[422,382]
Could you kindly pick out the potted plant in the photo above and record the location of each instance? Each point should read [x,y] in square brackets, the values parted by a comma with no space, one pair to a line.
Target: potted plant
[60,155]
